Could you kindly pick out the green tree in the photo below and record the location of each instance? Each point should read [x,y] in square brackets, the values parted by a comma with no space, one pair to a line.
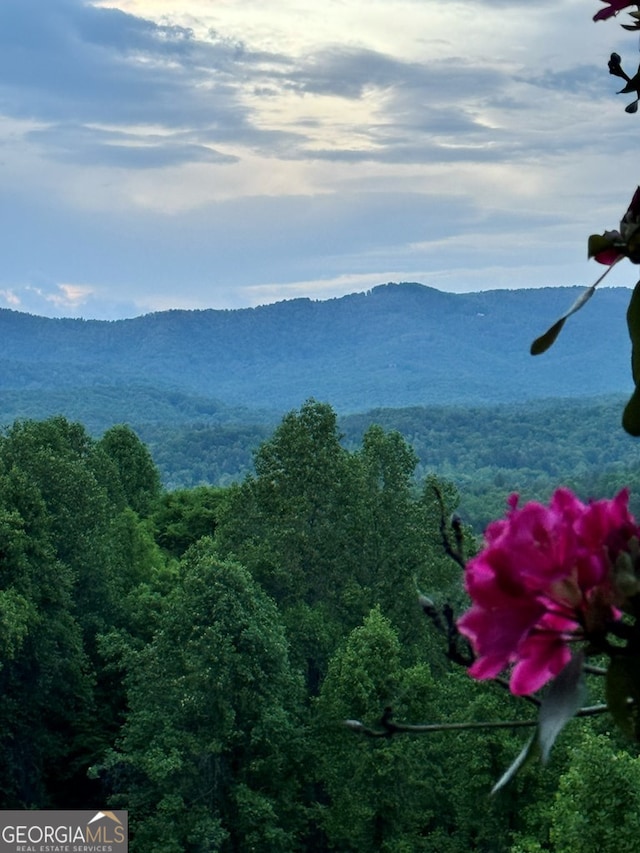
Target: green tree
[286,521]
[380,797]
[292,526]
[597,805]
[417,792]
[47,711]
[391,544]
[74,563]
[208,755]
[137,472]
[59,460]
[182,517]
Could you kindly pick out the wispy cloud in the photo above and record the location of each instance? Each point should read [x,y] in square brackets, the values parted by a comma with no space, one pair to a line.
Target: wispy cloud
[211,155]
[86,145]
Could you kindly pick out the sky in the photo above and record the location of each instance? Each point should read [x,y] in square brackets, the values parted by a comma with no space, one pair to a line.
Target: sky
[160,154]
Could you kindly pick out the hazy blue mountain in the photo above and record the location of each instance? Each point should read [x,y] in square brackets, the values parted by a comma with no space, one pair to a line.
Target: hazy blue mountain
[397,345]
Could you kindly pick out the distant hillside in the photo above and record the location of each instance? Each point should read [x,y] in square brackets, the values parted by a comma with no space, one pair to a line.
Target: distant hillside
[395,346]
[510,446]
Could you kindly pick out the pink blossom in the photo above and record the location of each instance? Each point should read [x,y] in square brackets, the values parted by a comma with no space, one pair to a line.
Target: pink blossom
[610,255]
[623,243]
[541,582]
[612,8]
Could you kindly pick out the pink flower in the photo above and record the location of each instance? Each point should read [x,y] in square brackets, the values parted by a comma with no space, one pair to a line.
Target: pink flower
[541,582]
[613,7]
[613,245]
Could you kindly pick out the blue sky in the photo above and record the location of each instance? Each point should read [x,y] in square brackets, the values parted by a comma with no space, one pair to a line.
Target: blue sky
[160,154]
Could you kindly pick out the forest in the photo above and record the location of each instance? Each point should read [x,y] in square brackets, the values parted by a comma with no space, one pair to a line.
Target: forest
[191,653]
[486,451]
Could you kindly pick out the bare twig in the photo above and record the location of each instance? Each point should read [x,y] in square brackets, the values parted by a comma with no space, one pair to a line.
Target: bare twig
[445,622]
[594,670]
[457,553]
[390,728]
[406,728]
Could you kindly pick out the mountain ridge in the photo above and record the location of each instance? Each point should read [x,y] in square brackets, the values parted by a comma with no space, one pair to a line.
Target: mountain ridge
[395,345]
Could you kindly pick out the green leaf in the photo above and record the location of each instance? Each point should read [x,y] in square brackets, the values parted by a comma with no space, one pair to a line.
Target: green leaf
[622,690]
[564,697]
[598,243]
[631,415]
[633,325]
[543,343]
[528,751]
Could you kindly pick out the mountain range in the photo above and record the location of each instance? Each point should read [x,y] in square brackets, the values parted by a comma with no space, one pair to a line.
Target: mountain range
[396,345]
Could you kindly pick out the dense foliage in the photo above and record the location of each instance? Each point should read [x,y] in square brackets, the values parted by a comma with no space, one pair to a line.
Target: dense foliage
[486,452]
[190,654]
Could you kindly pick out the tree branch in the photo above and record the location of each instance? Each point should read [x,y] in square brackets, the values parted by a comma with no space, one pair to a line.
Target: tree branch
[594,670]
[390,728]
[456,553]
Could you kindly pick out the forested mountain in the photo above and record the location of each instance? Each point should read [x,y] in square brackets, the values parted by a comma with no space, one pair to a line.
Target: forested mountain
[204,388]
[397,345]
[190,608]
[486,451]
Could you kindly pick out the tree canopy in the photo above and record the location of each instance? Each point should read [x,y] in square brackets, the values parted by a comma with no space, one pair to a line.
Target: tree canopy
[191,655]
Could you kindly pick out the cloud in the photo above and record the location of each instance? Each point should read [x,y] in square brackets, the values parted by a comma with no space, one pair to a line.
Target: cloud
[585,80]
[69,62]
[103,83]
[116,90]
[144,161]
[91,146]
[44,297]
[348,72]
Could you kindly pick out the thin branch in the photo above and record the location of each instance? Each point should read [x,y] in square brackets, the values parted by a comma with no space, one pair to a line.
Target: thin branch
[390,728]
[456,553]
[445,622]
[592,710]
[458,533]
[463,658]
[406,728]
[594,670]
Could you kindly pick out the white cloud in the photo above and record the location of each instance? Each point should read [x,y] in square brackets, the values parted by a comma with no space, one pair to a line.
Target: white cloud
[184,153]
